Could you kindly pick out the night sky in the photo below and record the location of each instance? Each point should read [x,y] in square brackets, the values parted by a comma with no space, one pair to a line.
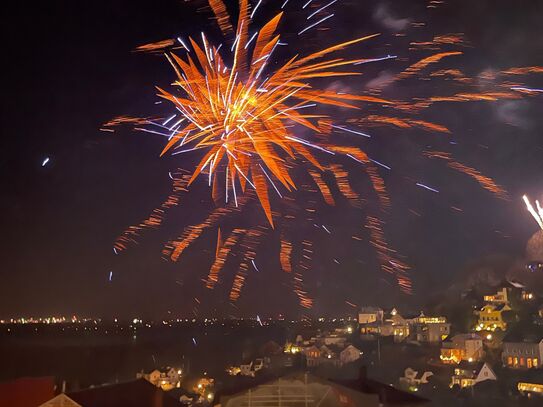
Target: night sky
[69,67]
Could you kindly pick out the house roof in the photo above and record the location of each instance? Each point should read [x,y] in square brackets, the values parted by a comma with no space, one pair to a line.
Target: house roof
[293,379]
[242,383]
[62,400]
[27,391]
[475,366]
[464,337]
[515,284]
[369,310]
[387,394]
[349,347]
[137,393]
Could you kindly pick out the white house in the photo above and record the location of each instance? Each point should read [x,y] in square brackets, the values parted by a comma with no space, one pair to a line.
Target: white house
[462,347]
[368,315]
[349,354]
[410,379]
[247,370]
[467,375]
[334,340]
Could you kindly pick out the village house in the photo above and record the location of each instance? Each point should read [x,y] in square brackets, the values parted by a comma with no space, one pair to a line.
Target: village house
[395,325]
[411,382]
[166,378]
[468,374]
[368,315]
[509,293]
[349,354]
[530,389]
[312,356]
[500,297]
[523,351]
[330,355]
[334,339]
[429,329]
[251,368]
[491,317]
[400,326]
[468,347]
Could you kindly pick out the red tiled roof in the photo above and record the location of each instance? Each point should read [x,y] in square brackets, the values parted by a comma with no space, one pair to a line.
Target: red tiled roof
[27,391]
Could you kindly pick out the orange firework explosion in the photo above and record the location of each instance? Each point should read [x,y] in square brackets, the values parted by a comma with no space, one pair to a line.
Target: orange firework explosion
[243,119]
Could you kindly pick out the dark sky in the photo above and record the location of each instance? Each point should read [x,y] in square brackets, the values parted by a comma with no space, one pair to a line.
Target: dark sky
[68,68]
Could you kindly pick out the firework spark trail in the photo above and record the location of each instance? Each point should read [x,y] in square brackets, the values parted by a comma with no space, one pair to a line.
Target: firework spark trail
[389,263]
[285,255]
[325,191]
[403,123]
[120,120]
[342,181]
[156,217]
[249,244]
[538,215]
[158,46]
[303,264]
[525,89]
[460,98]
[220,259]
[420,65]
[524,70]
[175,249]
[439,40]
[486,182]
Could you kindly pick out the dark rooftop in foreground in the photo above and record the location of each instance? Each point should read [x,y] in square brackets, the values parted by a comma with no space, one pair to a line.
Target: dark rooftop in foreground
[371,392]
[137,393]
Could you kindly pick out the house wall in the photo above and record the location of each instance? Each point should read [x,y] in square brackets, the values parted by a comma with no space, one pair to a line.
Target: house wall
[522,355]
[474,349]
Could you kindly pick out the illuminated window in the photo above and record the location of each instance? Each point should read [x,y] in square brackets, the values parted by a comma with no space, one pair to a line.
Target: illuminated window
[515,361]
[509,360]
[536,364]
[522,361]
[529,363]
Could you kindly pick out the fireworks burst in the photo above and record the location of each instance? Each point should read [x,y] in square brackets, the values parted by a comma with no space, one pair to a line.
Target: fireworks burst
[245,118]
[536,213]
